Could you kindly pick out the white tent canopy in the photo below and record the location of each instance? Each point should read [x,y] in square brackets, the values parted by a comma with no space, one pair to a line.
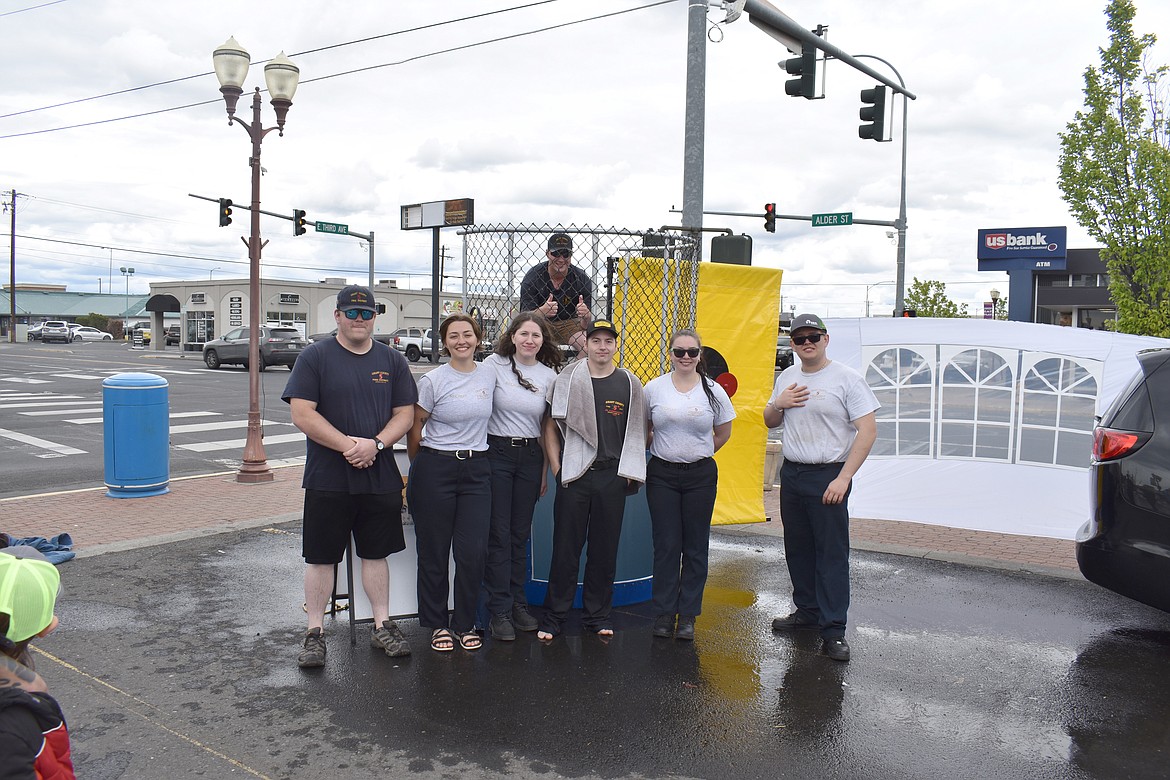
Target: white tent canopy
[984,424]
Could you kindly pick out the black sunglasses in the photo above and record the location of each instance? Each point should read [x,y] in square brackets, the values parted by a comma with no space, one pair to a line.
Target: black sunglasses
[561,253]
[811,338]
[688,352]
[353,314]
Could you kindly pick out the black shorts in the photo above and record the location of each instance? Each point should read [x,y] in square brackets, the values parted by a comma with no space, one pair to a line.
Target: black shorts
[375,520]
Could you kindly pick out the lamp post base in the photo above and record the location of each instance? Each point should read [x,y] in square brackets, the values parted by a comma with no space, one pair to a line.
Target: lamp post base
[254,474]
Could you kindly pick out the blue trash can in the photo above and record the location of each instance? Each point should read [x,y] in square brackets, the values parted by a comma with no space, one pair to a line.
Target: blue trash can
[633,582]
[136,426]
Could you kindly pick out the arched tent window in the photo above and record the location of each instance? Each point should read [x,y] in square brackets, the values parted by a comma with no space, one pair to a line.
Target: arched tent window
[902,378]
[1057,408]
[976,406]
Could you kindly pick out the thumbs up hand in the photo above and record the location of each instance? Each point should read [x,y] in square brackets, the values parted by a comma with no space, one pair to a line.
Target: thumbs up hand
[582,309]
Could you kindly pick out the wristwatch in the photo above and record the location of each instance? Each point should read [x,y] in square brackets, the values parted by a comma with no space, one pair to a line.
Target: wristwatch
[378,443]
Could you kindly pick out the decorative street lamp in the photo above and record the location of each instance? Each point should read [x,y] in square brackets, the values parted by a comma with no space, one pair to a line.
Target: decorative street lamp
[994,303]
[281,76]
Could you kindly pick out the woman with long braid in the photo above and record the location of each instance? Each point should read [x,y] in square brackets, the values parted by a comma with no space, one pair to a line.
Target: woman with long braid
[688,426]
[525,363]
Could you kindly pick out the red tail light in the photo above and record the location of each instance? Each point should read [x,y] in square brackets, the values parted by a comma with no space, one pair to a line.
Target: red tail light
[1110,445]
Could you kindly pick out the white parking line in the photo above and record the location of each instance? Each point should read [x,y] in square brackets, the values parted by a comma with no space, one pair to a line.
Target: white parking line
[59,449]
[211,446]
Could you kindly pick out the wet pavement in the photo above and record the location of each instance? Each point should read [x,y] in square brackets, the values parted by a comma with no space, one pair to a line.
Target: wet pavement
[177,660]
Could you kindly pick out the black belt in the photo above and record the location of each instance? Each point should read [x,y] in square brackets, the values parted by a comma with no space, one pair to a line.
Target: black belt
[512,441]
[601,465]
[816,465]
[457,454]
[682,466]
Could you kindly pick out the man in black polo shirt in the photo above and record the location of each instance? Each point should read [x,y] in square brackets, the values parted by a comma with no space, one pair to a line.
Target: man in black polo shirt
[560,291]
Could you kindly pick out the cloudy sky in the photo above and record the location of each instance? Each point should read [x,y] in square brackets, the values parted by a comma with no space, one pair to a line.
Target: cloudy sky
[578,124]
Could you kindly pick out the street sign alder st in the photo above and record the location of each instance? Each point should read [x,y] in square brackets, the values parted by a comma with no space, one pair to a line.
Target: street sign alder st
[832,220]
[332,227]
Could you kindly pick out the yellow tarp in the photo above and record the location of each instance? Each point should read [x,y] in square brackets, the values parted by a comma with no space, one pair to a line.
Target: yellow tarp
[737,313]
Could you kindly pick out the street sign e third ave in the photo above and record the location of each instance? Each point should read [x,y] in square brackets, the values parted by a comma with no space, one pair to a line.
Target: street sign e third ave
[332,227]
[832,220]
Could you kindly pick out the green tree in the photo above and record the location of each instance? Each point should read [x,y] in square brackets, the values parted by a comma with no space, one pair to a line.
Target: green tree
[1115,173]
[99,321]
[929,299]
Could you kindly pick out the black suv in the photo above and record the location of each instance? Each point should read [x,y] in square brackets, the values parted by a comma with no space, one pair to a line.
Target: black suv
[278,347]
[172,336]
[1125,544]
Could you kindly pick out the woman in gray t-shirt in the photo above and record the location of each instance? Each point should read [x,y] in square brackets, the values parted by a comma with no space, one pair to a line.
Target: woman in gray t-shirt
[449,491]
[525,365]
[690,419]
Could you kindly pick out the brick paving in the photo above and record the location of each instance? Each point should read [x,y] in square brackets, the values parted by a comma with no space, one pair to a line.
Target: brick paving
[198,506]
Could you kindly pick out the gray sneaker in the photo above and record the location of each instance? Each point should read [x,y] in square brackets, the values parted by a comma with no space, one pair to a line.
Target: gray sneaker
[313,653]
[388,637]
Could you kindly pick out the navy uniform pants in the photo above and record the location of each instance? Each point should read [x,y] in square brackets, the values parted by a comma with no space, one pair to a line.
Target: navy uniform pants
[816,545]
[681,497]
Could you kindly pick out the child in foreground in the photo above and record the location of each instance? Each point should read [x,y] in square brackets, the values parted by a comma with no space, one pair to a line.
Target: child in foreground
[34,740]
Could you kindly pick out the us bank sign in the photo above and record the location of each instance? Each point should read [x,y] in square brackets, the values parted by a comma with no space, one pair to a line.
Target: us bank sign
[1007,249]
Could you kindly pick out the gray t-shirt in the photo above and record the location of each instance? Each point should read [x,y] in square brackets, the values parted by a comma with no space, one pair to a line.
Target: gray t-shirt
[684,422]
[459,404]
[822,430]
[517,411]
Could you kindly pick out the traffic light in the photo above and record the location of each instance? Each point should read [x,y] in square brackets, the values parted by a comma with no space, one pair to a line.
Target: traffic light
[225,212]
[770,217]
[804,68]
[298,222]
[873,111]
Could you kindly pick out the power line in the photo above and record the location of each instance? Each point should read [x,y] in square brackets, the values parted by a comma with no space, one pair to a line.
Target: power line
[343,73]
[261,62]
[31,8]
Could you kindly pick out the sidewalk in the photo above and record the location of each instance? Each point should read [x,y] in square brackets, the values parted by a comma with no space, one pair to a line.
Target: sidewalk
[205,505]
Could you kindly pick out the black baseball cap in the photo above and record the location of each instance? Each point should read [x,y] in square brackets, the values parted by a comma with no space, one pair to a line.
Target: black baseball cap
[356,297]
[597,325]
[560,241]
[807,321]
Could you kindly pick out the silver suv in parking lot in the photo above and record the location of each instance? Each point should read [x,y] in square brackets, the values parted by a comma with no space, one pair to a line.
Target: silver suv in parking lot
[56,330]
[278,347]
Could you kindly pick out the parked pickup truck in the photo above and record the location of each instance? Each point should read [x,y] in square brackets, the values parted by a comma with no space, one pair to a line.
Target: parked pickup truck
[415,342]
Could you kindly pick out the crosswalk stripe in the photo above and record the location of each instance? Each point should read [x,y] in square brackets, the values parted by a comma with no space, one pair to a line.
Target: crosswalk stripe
[77,376]
[26,380]
[44,444]
[48,403]
[48,412]
[95,420]
[210,446]
[218,426]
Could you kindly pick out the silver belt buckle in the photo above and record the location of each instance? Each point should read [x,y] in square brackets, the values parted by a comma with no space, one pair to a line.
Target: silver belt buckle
[460,456]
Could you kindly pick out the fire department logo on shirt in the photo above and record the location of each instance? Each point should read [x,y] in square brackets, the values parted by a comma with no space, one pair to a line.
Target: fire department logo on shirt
[615,408]
[380,377]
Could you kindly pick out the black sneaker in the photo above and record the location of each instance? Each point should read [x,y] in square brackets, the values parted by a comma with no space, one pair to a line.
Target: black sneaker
[664,626]
[686,628]
[792,622]
[313,653]
[388,637]
[501,628]
[522,618]
[836,648]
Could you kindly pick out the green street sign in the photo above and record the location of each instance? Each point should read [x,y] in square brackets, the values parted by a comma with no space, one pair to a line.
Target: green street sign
[832,220]
[332,227]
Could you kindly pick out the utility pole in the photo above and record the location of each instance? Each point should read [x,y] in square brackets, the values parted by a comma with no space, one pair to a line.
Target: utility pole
[696,117]
[12,272]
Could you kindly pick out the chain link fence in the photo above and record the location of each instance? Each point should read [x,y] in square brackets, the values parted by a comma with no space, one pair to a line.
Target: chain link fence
[646,282]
